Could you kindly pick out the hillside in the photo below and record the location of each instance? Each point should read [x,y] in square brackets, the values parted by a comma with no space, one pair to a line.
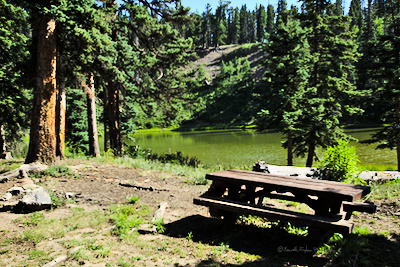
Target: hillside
[211,59]
[231,92]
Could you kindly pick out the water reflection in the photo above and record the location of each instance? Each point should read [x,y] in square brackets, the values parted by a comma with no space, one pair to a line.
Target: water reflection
[243,148]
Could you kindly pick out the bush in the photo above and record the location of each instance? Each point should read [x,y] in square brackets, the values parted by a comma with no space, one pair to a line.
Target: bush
[340,163]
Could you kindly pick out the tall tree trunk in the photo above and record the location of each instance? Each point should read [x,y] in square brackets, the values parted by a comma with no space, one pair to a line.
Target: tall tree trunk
[105,120]
[310,156]
[2,139]
[92,122]
[42,144]
[114,119]
[289,148]
[114,113]
[60,111]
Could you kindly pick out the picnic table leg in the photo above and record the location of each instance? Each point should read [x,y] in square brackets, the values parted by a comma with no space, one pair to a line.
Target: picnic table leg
[229,217]
[250,196]
[318,235]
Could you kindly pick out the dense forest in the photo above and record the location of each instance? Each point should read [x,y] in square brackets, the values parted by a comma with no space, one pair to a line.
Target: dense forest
[72,70]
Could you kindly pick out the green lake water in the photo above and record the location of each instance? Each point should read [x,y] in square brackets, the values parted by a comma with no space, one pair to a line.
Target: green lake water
[243,148]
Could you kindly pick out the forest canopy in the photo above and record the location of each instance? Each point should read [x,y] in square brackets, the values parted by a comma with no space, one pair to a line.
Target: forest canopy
[72,70]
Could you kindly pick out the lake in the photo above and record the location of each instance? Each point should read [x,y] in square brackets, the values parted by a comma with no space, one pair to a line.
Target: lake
[243,148]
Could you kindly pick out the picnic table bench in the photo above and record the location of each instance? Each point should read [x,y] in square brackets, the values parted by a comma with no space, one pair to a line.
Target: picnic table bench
[237,192]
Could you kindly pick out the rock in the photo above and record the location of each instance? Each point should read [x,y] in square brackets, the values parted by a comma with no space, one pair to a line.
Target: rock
[6,155]
[37,199]
[7,196]
[159,214]
[25,181]
[260,166]
[147,229]
[32,167]
[9,205]
[69,195]
[303,172]
[23,174]
[30,186]
[16,190]
[56,261]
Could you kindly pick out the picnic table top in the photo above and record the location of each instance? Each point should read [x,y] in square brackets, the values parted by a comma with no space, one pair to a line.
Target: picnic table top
[296,185]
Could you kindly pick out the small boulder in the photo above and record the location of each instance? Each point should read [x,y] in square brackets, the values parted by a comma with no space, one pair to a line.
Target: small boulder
[6,197]
[16,190]
[37,199]
[159,214]
[6,155]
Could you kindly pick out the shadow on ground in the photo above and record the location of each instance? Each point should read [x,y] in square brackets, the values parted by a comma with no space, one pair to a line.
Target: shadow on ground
[277,247]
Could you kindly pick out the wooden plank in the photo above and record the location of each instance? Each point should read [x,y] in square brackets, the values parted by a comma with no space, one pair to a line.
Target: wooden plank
[334,224]
[292,184]
[362,207]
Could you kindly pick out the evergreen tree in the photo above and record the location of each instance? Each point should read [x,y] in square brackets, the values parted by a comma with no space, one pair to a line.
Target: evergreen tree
[42,145]
[234,29]
[206,26]
[338,8]
[288,62]
[270,25]
[261,23]
[330,85]
[355,13]
[281,12]
[220,31]
[14,53]
[251,25]
[389,90]
[243,20]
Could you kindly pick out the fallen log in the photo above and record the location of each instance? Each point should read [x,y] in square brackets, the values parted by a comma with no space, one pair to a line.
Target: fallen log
[22,171]
[139,186]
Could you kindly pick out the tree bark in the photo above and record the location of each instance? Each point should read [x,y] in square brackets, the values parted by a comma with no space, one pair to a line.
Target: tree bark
[105,120]
[60,112]
[289,149]
[2,139]
[94,149]
[114,113]
[114,119]
[42,144]
[310,157]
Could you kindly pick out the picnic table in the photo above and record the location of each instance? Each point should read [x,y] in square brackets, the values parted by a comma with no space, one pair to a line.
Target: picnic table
[238,192]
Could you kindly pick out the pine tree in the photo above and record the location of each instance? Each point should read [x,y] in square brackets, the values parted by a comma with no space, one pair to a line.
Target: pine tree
[42,145]
[261,22]
[288,62]
[243,20]
[252,27]
[355,13]
[338,8]
[14,55]
[281,12]
[388,73]
[220,31]
[330,84]
[270,25]
[206,27]
[234,29]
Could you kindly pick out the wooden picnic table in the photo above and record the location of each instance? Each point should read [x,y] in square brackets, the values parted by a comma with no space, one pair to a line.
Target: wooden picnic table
[243,192]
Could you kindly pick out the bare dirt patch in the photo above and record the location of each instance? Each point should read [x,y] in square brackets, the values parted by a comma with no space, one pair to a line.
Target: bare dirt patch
[191,237]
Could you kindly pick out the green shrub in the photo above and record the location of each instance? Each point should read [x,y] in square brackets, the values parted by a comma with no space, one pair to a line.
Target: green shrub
[175,158]
[340,163]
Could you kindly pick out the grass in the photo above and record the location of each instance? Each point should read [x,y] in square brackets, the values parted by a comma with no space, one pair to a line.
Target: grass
[9,165]
[377,167]
[389,191]
[362,248]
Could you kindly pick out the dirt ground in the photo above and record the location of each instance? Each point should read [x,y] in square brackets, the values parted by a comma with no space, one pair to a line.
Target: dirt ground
[195,236]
